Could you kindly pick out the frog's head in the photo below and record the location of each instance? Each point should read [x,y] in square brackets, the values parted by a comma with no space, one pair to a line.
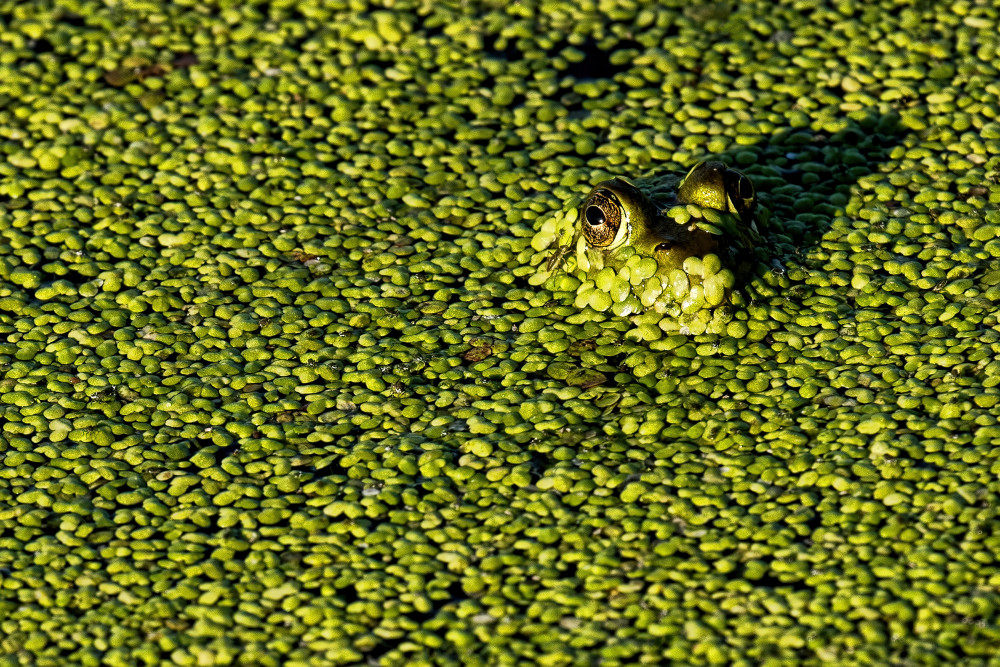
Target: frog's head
[668,250]
[617,220]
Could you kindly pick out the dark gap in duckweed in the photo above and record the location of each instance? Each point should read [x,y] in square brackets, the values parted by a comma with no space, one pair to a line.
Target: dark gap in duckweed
[591,58]
[385,645]
[71,18]
[597,63]
[41,45]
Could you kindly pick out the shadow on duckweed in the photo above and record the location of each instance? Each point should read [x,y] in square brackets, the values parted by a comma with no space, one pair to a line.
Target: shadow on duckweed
[804,180]
[804,177]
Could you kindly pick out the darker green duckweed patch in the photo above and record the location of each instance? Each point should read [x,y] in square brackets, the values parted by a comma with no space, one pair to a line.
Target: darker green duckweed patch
[277,387]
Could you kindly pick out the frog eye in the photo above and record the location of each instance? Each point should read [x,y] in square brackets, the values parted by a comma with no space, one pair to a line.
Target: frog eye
[602,218]
[741,194]
[746,188]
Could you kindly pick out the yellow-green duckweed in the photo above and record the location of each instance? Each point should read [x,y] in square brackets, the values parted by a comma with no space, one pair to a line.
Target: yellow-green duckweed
[280,384]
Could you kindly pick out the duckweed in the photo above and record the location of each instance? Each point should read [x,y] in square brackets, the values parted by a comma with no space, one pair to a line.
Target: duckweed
[287,377]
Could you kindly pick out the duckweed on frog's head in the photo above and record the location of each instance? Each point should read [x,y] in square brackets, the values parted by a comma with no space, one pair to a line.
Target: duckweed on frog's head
[669,253]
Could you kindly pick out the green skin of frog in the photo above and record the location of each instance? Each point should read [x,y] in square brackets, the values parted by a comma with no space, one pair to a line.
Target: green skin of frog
[668,252]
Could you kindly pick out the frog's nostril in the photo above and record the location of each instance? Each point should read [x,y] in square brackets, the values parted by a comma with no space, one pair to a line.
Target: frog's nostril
[595,216]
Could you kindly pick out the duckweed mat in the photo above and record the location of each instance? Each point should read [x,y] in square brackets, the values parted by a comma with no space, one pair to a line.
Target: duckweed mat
[276,388]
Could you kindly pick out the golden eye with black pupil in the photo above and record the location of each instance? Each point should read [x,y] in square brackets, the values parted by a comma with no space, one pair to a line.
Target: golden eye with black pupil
[603,215]
[595,216]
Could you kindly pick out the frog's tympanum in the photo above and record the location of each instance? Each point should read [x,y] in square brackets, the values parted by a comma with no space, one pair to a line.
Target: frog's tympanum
[664,251]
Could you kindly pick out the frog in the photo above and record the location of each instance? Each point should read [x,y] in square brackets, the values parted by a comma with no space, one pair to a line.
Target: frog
[663,250]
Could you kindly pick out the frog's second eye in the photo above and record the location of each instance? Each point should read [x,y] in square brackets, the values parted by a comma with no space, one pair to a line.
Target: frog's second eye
[744,187]
[741,194]
[602,217]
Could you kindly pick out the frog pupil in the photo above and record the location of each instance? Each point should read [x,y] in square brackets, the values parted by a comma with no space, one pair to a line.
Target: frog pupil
[595,216]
